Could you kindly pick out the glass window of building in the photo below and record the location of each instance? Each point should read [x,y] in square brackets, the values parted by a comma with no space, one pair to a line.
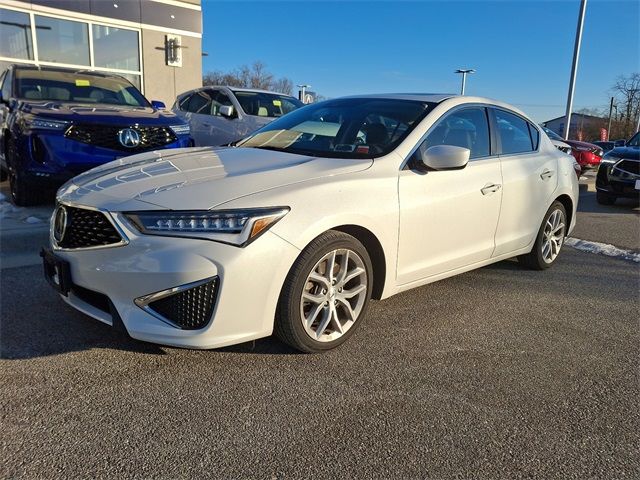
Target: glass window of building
[116,48]
[15,35]
[62,41]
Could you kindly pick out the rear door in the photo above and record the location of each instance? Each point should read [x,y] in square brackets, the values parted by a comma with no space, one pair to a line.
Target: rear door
[529,178]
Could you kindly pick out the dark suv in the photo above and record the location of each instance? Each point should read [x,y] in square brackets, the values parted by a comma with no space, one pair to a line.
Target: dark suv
[56,123]
[619,173]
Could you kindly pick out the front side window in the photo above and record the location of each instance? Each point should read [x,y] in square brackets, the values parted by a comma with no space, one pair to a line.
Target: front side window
[634,141]
[15,35]
[115,48]
[199,102]
[263,104]
[6,85]
[62,41]
[514,133]
[70,86]
[468,128]
[342,128]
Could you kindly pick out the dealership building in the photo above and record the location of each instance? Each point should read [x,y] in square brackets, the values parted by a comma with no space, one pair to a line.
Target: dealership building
[156,44]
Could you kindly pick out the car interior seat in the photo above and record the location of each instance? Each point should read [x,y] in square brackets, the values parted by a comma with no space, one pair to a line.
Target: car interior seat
[32,94]
[376,134]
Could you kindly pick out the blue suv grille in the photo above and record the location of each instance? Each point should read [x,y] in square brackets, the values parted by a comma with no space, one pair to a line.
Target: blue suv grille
[107,136]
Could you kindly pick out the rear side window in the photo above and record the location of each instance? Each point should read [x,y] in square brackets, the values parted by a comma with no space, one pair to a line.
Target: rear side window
[514,133]
[468,128]
[535,136]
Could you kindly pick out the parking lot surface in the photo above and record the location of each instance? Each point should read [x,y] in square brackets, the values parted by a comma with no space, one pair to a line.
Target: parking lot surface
[498,373]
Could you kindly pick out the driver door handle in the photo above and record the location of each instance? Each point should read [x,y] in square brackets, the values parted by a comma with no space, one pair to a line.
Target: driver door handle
[546,174]
[490,188]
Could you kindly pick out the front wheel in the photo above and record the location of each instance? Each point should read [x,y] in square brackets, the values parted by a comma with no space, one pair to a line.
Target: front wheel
[326,293]
[550,239]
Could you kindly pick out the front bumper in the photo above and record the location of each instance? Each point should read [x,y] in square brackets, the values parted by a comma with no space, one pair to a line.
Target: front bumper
[249,283]
[617,182]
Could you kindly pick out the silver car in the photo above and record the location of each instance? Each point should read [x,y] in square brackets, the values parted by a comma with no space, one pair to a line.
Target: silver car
[221,115]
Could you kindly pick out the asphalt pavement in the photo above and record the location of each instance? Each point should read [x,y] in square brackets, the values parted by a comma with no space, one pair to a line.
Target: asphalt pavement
[497,373]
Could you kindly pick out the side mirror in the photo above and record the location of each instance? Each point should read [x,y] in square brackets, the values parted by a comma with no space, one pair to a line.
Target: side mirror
[444,157]
[158,105]
[226,111]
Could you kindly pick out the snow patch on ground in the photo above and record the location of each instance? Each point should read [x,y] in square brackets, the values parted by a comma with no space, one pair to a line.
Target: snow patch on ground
[7,209]
[32,220]
[602,249]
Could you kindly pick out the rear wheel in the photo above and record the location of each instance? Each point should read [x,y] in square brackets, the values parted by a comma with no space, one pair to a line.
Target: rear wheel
[549,241]
[326,293]
[604,198]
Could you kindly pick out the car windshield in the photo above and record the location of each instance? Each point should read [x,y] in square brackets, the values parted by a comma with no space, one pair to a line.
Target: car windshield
[634,141]
[342,128]
[76,87]
[552,135]
[263,104]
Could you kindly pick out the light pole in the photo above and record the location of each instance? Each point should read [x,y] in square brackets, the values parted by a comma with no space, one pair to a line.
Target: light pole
[610,112]
[574,69]
[303,91]
[464,72]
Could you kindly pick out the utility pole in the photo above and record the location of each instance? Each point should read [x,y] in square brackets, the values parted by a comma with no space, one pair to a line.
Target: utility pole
[609,127]
[464,72]
[574,69]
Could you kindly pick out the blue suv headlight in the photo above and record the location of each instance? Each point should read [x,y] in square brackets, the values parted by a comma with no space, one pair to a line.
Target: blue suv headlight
[181,129]
[41,123]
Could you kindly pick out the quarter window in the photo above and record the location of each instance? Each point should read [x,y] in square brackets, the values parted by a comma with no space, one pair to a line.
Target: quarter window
[468,128]
[514,133]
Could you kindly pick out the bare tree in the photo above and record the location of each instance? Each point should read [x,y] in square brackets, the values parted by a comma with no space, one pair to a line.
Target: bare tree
[626,90]
[249,76]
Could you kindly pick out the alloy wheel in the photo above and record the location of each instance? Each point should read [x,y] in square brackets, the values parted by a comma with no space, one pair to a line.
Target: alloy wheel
[334,295]
[553,236]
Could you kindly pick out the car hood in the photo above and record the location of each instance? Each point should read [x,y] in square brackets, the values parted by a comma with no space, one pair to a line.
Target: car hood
[100,113]
[632,153]
[196,178]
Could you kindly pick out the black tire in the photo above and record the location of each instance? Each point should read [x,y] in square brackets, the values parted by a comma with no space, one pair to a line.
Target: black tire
[289,326]
[604,198]
[21,193]
[535,259]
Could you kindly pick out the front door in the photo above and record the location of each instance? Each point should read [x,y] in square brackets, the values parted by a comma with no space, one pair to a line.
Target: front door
[448,218]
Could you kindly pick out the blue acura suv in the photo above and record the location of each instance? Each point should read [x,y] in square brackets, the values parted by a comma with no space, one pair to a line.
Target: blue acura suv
[56,123]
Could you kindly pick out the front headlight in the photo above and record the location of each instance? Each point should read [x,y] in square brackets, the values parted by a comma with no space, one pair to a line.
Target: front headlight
[40,123]
[181,129]
[236,227]
[608,158]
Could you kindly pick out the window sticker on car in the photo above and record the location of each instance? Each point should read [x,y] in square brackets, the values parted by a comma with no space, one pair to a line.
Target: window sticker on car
[362,149]
[277,103]
[344,147]
[82,83]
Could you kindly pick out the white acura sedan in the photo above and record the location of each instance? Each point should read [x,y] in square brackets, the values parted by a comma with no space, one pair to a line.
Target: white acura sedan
[297,227]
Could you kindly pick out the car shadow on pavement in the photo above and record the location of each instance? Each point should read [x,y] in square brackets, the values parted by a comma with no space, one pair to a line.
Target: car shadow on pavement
[35,322]
[588,204]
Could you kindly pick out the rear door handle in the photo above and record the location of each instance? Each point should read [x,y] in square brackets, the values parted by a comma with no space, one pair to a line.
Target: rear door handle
[546,174]
[490,188]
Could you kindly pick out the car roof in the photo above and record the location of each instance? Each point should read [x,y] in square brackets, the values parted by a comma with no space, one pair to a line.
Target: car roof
[422,97]
[84,71]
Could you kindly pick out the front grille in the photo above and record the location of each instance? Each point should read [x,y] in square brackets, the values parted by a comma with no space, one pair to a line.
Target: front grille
[189,309]
[107,136]
[88,228]
[629,166]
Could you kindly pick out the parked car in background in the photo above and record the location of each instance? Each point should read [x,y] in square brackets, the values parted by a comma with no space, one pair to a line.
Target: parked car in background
[586,154]
[56,123]
[619,173]
[605,146]
[620,142]
[296,228]
[221,115]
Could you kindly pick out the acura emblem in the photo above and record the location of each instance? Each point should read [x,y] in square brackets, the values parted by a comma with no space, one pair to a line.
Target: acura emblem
[129,138]
[60,223]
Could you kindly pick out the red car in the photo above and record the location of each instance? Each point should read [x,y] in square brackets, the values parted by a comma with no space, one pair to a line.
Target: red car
[586,154]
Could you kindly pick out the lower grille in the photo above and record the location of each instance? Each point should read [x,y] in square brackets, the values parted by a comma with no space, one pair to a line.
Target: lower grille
[629,166]
[87,228]
[107,136]
[190,308]
[93,298]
